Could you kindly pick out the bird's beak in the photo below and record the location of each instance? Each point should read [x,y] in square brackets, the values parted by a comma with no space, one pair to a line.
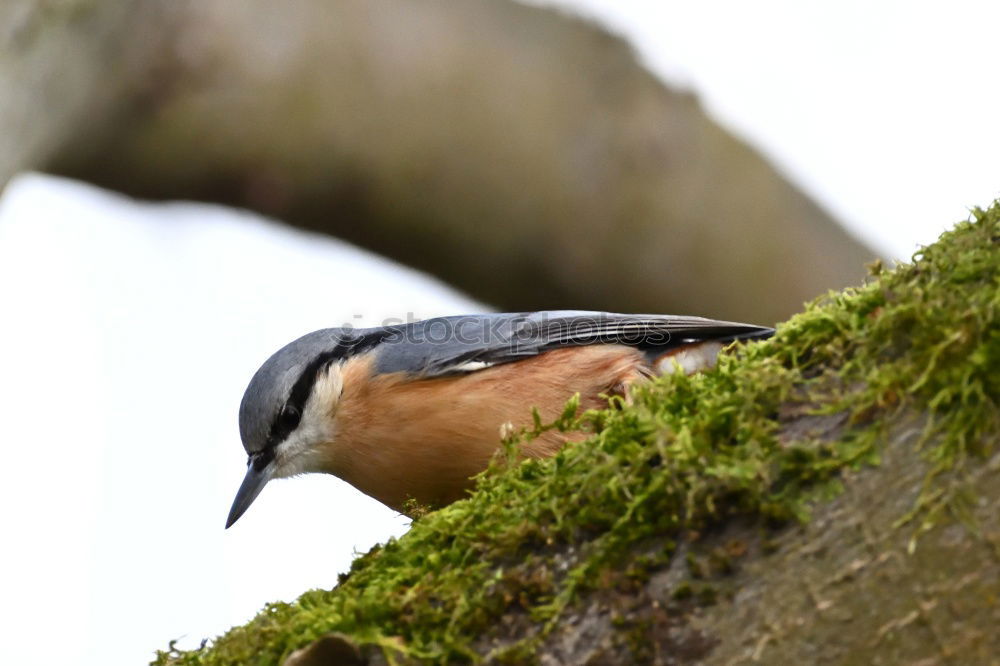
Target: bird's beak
[257,477]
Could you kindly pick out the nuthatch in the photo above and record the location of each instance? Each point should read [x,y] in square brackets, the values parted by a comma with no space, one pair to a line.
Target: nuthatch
[415,410]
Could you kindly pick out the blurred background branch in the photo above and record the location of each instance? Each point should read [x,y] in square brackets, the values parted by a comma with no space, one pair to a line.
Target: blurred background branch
[519,153]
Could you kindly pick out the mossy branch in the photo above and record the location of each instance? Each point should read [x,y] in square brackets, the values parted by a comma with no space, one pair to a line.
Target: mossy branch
[815,472]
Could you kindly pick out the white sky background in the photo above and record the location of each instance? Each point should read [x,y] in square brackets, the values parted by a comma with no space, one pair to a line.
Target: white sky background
[129,333]
[887,112]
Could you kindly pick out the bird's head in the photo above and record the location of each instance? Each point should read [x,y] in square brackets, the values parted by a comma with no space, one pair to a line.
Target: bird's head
[287,411]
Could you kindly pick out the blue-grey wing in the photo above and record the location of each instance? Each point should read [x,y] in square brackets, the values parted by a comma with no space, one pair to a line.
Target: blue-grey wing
[445,345]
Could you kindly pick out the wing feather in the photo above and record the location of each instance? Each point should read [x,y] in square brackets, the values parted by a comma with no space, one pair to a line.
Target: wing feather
[467,343]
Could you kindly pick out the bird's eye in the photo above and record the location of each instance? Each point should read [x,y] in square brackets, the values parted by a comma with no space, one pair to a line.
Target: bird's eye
[289,418]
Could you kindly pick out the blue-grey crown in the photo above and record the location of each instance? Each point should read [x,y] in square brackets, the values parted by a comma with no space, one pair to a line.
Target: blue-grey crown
[272,384]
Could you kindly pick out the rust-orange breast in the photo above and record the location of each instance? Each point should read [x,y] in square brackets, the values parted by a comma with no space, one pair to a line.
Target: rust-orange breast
[398,438]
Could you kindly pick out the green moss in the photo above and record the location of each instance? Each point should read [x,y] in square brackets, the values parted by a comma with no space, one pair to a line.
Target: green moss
[686,454]
[683,591]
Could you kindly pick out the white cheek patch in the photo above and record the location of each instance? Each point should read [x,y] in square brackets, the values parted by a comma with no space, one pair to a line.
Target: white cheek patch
[691,358]
[299,453]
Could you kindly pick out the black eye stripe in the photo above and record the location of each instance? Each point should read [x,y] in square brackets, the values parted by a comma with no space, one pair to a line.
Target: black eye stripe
[287,421]
[290,415]
[261,459]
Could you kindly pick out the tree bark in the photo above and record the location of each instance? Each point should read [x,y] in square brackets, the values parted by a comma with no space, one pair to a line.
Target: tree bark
[843,588]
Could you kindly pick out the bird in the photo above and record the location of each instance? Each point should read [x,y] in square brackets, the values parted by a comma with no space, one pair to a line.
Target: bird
[411,412]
